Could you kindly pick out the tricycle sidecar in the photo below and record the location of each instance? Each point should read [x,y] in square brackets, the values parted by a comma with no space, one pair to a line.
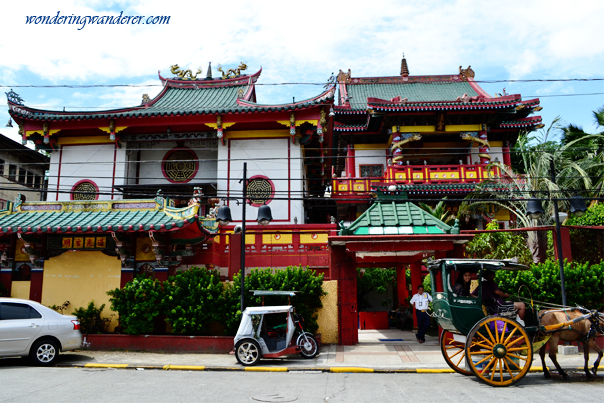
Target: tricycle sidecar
[270,332]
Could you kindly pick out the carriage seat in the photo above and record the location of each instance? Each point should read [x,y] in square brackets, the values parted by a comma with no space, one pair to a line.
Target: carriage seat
[506,308]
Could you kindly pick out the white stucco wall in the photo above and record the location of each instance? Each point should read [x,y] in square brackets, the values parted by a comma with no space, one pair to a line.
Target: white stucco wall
[277,159]
[494,152]
[369,157]
[100,163]
[151,162]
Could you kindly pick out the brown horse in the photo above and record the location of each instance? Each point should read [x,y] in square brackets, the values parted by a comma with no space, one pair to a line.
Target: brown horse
[579,331]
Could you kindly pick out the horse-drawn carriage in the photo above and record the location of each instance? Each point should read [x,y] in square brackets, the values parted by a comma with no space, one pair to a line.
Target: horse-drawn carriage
[486,339]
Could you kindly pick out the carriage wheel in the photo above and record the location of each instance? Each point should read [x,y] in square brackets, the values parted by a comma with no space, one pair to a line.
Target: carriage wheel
[454,352]
[499,351]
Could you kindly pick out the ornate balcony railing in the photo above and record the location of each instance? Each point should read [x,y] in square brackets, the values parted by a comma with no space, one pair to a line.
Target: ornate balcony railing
[415,175]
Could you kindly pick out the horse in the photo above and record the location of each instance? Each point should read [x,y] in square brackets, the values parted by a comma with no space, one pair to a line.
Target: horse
[583,331]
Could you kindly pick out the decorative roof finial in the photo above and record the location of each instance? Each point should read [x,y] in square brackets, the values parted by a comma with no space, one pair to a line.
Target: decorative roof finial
[404,68]
[209,74]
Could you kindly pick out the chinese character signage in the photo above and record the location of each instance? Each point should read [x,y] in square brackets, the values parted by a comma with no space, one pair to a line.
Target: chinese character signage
[68,242]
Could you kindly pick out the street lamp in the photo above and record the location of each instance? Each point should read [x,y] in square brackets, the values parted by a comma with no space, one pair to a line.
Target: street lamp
[223,216]
[535,210]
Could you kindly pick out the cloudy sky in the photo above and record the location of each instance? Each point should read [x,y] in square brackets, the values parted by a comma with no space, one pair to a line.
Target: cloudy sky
[304,42]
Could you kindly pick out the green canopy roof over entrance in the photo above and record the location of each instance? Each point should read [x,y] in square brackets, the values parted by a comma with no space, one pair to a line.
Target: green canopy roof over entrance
[396,217]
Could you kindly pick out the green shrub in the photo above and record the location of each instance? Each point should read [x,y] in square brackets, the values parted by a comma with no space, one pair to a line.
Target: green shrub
[60,309]
[192,299]
[583,283]
[593,216]
[90,319]
[138,304]
[308,282]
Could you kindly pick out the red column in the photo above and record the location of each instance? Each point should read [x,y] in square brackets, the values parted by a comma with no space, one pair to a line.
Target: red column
[234,255]
[126,276]
[6,278]
[567,253]
[161,274]
[344,266]
[350,164]
[401,285]
[483,149]
[439,279]
[507,159]
[416,280]
[35,287]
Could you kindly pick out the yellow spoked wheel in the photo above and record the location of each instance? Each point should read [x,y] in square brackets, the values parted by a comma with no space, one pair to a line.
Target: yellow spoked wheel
[454,353]
[499,351]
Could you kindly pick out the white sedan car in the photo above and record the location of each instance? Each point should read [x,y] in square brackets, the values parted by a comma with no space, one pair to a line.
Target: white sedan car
[28,328]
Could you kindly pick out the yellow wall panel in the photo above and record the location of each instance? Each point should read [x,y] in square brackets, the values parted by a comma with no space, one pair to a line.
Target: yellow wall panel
[144,249]
[313,238]
[503,215]
[278,238]
[20,289]
[20,255]
[444,175]
[328,315]
[80,277]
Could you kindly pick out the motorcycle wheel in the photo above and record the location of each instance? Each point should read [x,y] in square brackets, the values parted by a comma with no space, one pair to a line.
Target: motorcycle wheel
[309,348]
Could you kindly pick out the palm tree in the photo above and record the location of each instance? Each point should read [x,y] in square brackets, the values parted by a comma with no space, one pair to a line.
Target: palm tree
[512,190]
[439,211]
[587,145]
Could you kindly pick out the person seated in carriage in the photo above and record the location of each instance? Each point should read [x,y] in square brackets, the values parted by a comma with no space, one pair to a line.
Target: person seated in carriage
[493,297]
[463,284]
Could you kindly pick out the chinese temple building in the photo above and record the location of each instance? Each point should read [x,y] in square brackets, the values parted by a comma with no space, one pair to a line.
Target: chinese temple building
[429,136]
[135,190]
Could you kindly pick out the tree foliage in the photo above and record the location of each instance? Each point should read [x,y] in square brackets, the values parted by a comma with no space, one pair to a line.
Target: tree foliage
[499,245]
[373,279]
[439,211]
[531,177]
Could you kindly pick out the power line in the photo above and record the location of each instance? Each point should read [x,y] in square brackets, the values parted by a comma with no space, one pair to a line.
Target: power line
[77,86]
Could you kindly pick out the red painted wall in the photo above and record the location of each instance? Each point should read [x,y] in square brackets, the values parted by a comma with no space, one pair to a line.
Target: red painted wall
[373,320]
[169,344]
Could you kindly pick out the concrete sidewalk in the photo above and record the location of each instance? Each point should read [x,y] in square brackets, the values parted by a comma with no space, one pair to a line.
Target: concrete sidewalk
[378,351]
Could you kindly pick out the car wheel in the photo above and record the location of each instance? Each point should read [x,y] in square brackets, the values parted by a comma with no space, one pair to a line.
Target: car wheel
[247,352]
[44,352]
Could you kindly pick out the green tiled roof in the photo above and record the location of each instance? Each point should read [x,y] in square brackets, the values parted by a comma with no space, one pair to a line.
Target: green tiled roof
[182,98]
[101,216]
[395,218]
[414,92]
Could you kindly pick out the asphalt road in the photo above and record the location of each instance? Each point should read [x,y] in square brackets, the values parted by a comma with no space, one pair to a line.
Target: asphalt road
[30,384]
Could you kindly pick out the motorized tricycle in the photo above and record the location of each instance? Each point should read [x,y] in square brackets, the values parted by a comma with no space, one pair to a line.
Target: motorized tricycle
[271,332]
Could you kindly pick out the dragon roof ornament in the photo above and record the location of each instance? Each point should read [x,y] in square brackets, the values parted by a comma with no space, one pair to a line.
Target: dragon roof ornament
[13,97]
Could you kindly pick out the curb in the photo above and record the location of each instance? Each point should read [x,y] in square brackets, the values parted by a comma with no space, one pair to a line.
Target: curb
[170,367]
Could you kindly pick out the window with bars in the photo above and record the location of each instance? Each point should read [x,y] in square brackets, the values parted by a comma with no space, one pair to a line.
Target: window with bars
[12,172]
[372,171]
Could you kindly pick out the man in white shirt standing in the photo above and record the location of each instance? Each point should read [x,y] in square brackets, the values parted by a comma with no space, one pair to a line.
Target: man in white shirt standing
[421,301]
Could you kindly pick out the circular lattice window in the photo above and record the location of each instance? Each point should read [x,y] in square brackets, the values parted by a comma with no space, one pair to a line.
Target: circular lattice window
[260,190]
[84,190]
[180,165]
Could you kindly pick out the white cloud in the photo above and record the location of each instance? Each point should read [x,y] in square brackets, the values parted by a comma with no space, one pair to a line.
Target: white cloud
[296,42]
